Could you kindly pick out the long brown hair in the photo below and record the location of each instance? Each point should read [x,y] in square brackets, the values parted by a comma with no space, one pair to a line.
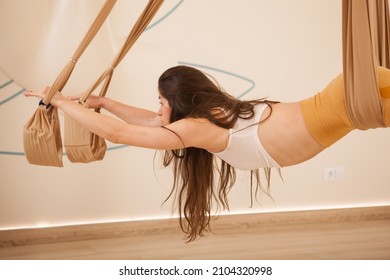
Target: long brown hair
[190,93]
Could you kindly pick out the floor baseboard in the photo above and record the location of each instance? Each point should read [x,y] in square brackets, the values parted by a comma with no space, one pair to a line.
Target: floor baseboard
[23,237]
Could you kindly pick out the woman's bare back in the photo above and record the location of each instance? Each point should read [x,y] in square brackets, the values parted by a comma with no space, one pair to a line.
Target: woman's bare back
[285,137]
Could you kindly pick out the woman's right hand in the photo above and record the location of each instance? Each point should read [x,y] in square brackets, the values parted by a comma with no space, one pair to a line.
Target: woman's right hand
[92,102]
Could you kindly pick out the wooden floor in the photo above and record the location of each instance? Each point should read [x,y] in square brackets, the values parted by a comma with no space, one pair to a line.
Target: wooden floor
[360,233]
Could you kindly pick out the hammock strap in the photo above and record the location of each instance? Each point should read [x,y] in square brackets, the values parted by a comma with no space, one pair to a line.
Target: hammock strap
[144,19]
[64,75]
[365,47]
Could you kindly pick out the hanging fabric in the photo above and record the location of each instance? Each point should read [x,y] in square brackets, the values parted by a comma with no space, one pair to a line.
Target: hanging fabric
[82,145]
[365,47]
[41,134]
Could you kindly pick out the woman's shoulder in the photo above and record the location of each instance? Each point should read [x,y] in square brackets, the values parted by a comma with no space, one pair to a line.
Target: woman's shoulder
[193,126]
[200,133]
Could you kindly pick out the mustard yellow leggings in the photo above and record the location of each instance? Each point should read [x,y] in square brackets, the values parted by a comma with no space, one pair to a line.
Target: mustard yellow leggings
[325,114]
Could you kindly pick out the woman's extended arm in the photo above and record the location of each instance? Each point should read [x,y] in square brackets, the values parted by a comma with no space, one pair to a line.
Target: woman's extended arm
[191,131]
[119,132]
[127,113]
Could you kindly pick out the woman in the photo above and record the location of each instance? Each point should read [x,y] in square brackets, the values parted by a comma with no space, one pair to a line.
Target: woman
[197,120]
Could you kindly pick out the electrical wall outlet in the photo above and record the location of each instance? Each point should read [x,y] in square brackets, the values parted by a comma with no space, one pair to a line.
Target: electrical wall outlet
[333,174]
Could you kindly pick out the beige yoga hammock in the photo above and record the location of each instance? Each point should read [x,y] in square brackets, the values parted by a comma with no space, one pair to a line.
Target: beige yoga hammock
[365,47]
[41,134]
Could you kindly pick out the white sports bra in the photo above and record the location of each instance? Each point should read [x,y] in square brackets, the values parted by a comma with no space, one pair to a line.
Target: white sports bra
[244,150]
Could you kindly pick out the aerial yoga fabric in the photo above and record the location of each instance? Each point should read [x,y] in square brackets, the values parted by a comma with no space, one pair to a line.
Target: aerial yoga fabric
[41,134]
[82,145]
[365,47]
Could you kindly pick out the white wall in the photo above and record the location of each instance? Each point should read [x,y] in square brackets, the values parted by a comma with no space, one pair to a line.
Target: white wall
[288,50]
